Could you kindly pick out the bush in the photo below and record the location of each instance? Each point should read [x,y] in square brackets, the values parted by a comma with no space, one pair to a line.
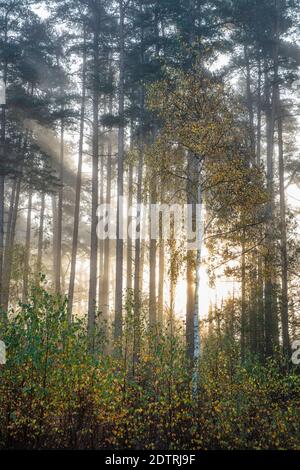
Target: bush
[55,393]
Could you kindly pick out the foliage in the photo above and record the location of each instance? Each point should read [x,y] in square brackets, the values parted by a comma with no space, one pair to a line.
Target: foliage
[55,394]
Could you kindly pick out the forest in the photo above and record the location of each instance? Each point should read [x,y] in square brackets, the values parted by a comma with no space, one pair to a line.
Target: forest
[149,224]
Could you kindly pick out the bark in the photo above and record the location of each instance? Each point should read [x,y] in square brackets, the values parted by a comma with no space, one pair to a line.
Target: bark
[129,236]
[119,242]
[27,248]
[143,251]
[60,213]
[271,320]
[95,192]
[107,243]
[12,221]
[41,235]
[190,269]
[161,275]
[101,242]
[260,277]
[2,183]
[8,254]
[250,104]
[78,187]
[54,228]
[152,274]
[283,235]
[259,115]
[137,264]
[269,257]
[243,303]
[2,156]
[196,332]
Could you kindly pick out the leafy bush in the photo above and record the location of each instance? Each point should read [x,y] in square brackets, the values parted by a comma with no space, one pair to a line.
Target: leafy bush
[55,393]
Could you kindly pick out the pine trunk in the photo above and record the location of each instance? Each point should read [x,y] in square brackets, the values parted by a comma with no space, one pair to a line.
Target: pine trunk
[120,182]
[78,188]
[27,248]
[95,193]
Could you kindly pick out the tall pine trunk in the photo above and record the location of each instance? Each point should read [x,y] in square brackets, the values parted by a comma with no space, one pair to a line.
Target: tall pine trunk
[41,235]
[283,235]
[152,275]
[8,254]
[107,243]
[95,194]
[58,244]
[27,248]
[2,173]
[190,267]
[78,186]
[161,267]
[120,182]
[196,329]
[137,261]
[269,257]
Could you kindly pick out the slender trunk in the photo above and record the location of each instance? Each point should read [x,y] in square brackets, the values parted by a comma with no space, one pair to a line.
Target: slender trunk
[152,275]
[95,193]
[284,256]
[137,263]
[101,242]
[10,211]
[260,277]
[107,243]
[253,311]
[259,115]
[143,250]
[41,235]
[27,248]
[196,335]
[60,213]
[54,242]
[161,275]
[2,180]
[78,187]
[250,104]
[12,221]
[269,257]
[2,170]
[8,254]
[243,302]
[129,236]
[119,242]
[190,268]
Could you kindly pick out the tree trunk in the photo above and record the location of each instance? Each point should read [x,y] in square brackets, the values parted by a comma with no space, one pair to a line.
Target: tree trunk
[250,104]
[269,257]
[78,186]
[190,268]
[95,193]
[54,230]
[161,275]
[243,302]
[27,248]
[283,236]
[119,241]
[41,236]
[60,213]
[2,175]
[2,180]
[8,254]
[137,263]
[107,243]
[196,332]
[152,275]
